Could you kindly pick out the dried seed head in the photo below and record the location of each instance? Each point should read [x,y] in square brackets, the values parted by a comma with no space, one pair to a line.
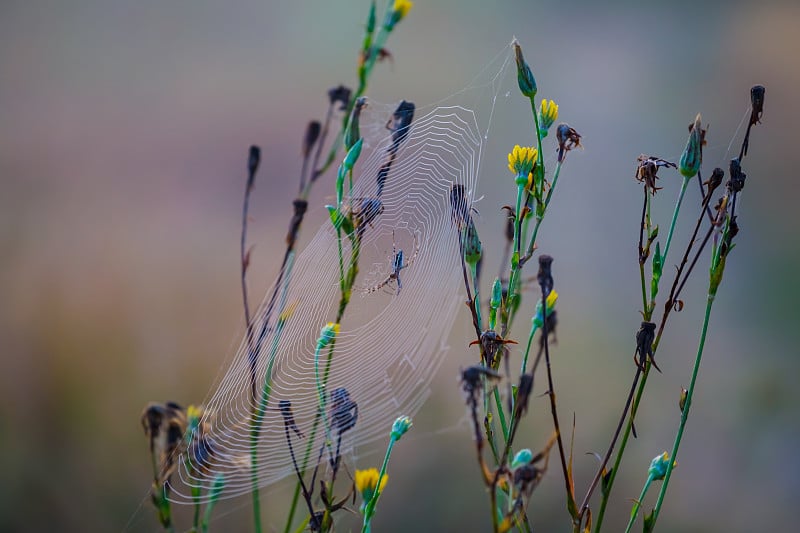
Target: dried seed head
[343,411]
[736,182]
[340,94]
[644,342]
[459,207]
[757,103]
[524,393]
[545,276]
[312,134]
[646,171]
[401,121]
[715,180]
[252,165]
[568,139]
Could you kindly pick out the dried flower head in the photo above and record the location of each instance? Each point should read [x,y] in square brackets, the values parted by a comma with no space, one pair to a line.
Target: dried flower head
[647,169]
[340,94]
[567,139]
[757,103]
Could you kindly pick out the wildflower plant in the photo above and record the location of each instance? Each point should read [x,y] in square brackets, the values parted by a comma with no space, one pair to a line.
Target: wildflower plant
[302,422]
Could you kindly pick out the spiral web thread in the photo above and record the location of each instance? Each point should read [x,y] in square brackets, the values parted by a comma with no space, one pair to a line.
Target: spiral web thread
[391,341]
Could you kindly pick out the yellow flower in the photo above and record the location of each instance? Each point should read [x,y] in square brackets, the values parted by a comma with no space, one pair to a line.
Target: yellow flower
[194,411]
[328,333]
[548,113]
[552,298]
[402,7]
[521,161]
[367,480]
[399,10]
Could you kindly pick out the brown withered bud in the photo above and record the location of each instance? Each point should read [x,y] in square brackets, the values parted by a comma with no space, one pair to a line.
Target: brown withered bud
[527,478]
[164,426]
[736,182]
[312,134]
[285,407]
[524,393]
[510,227]
[343,412]
[717,175]
[644,344]
[300,207]
[339,94]
[646,171]
[568,139]
[552,322]
[459,206]
[757,103]
[471,379]
[682,399]
[368,210]
[400,122]
[253,160]
[545,276]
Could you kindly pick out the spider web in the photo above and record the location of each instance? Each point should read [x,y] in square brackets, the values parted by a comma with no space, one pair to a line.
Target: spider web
[391,341]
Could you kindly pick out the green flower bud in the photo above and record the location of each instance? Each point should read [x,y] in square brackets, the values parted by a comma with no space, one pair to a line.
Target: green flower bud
[352,155]
[523,457]
[659,465]
[525,79]
[400,427]
[352,135]
[371,18]
[472,244]
[692,156]
[327,334]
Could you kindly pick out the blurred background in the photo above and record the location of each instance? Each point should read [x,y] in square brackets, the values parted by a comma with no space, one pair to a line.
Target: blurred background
[124,129]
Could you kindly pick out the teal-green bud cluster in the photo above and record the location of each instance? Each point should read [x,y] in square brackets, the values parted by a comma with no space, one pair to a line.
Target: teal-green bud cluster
[525,79]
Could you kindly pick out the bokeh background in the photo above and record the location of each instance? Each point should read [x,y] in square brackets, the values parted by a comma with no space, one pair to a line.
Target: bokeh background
[124,129]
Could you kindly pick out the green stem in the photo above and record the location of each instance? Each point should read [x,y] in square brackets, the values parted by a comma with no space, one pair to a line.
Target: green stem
[623,443]
[647,314]
[258,413]
[369,63]
[685,412]
[196,517]
[524,368]
[369,510]
[501,414]
[638,503]
[675,217]
[476,300]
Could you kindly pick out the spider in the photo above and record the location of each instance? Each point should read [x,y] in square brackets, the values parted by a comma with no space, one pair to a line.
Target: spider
[398,264]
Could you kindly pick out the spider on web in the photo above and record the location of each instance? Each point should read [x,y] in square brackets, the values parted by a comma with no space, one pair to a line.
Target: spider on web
[398,264]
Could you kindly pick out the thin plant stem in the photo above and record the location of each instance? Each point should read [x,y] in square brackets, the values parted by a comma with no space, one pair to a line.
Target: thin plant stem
[684,183]
[638,503]
[369,509]
[685,411]
[551,393]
